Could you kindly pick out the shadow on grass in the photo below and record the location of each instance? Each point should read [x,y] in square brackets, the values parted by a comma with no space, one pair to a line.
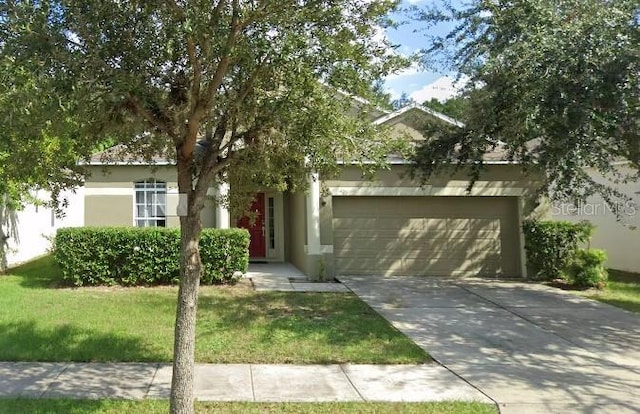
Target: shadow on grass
[42,273]
[629,305]
[622,276]
[67,406]
[25,341]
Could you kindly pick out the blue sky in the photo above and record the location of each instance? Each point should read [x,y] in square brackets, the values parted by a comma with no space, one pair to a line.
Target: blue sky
[417,82]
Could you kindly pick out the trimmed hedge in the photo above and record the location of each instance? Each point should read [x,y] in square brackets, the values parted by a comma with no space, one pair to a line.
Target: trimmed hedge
[131,256]
[551,246]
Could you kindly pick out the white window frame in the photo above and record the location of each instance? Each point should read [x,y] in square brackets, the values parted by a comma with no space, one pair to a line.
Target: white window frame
[154,199]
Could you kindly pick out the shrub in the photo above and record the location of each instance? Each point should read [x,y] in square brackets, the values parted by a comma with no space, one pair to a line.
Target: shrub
[551,245]
[131,256]
[587,269]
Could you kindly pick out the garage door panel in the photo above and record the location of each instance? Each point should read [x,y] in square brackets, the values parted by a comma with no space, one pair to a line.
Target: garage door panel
[454,236]
[425,242]
[395,267]
[394,248]
[380,223]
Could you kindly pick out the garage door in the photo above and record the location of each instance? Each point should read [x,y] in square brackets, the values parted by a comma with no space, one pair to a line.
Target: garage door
[428,236]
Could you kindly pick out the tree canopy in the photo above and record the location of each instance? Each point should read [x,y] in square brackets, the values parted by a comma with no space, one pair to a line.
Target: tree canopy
[454,107]
[256,90]
[556,83]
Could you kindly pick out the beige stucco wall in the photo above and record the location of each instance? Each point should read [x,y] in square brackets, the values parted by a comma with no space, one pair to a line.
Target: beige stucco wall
[108,210]
[501,176]
[621,239]
[405,131]
[109,192]
[295,230]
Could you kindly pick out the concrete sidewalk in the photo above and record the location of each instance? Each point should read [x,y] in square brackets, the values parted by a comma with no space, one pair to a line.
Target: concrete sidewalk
[238,382]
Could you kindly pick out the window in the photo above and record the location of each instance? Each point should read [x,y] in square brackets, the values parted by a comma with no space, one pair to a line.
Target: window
[272,223]
[150,203]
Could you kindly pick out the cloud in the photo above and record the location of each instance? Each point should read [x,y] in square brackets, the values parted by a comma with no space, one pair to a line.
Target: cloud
[442,89]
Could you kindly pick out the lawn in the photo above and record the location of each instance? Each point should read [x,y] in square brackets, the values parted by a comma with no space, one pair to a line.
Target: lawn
[42,321]
[22,406]
[622,290]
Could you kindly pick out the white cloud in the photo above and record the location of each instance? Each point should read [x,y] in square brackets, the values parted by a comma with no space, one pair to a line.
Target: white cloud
[393,93]
[442,89]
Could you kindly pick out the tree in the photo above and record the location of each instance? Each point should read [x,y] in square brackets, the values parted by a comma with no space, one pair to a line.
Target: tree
[402,101]
[31,154]
[260,83]
[556,83]
[453,107]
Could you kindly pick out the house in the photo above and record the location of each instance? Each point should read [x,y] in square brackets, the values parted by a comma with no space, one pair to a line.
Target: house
[27,232]
[390,225]
[618,234]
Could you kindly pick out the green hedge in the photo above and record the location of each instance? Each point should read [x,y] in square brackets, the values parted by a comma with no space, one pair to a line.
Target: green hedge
[587,270]
[132,256]
[552,245]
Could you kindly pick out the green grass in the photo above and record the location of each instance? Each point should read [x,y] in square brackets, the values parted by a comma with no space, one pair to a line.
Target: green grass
[622,290]
[41,321]
[20,406]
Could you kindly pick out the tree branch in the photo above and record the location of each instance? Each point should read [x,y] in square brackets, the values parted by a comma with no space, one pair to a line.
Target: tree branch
[225,60]
[140,110]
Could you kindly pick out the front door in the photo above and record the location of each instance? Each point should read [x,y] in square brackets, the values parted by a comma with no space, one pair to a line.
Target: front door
[257,246]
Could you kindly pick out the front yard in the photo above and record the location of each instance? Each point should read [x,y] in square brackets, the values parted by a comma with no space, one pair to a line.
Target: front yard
[41,321]
[622,290]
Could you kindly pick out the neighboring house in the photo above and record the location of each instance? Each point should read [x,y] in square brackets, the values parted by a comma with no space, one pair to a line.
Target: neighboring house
[620,237]
[30,229]
[386,226]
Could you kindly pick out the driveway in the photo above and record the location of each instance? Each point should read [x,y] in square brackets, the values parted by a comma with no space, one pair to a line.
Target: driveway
[530,348]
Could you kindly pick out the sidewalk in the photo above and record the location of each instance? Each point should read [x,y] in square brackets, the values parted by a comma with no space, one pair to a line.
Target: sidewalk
[237,382]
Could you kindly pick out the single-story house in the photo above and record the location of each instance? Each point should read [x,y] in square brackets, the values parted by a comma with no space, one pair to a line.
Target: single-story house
[390,225]
[618,234]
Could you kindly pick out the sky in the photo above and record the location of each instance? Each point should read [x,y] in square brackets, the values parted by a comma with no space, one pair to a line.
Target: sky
[418,83]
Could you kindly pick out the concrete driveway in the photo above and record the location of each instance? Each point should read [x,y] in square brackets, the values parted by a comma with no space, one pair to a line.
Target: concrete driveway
[530,348]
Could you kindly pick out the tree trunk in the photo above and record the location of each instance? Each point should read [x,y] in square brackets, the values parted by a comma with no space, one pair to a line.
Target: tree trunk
[4,219]
[182,398]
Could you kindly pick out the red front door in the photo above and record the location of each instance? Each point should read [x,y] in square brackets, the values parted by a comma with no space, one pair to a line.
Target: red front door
[258,246]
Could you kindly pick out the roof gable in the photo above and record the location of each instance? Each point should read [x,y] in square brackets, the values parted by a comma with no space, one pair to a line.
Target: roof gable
[403,114]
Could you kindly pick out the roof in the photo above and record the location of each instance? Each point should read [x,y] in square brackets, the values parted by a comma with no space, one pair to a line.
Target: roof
[118,155]
[419,110]
[409,115]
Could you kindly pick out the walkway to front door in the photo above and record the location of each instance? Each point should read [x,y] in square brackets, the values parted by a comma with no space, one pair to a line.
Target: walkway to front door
[284,277]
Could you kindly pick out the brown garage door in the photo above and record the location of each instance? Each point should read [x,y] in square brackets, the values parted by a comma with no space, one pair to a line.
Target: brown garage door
[428,236]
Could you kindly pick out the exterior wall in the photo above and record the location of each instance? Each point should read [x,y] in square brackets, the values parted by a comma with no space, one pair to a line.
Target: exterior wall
[500,177]
[405,131]
[34,226]
[621,239]
[110,193]
[295,229]
[109,210]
